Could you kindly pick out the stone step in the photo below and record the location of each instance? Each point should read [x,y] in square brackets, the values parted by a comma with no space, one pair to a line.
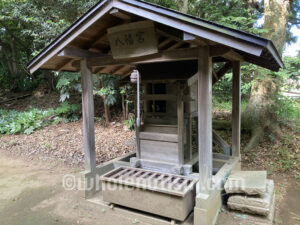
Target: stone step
[260,205]
[246,182]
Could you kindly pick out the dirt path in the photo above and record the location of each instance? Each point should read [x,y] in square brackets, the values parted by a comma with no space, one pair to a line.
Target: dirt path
[23,185]
[31,193]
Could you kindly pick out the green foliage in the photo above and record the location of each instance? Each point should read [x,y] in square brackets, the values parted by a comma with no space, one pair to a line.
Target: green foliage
[171,4]
[14,122]
[232,13]
[99,119]
[225,105]
[286,155]
[109,93]
[127,91]
[290,74]
[108,89]
[288,108]
[222,90]
[68,112]
[67,83]
[130,123]
[26,27]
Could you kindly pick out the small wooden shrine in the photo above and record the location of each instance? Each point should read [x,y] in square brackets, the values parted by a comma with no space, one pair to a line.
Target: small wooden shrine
[173,58]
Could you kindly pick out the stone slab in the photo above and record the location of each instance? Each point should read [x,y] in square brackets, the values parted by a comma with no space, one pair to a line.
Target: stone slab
[260,205]
[246,182]
[231,217]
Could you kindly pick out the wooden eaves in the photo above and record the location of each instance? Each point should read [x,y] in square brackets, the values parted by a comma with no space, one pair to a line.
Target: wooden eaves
[178,36]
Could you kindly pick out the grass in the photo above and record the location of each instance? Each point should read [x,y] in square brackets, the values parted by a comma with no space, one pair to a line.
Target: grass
[226,105]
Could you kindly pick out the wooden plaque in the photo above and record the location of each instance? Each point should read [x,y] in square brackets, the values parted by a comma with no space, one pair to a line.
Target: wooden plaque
[133,39]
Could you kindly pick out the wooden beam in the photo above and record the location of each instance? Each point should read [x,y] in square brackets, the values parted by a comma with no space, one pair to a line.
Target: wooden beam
[169,33]
[192,39]
[98,40]
[177,45]
[236,108]
[233,56]
[128,72]
[221,143]
[164,56]
[99,70]
[216,75]
[164,43]
[218,50]
[120,14]
[116,69]
[205,119]
[221,72]
[62,65]
[225,52]
[180,126]
[88,117]
[160,97]
[192,80]
[78,53]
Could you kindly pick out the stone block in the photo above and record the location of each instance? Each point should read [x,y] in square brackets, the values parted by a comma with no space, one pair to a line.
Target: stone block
[236,218]
[260,205]
[246,182]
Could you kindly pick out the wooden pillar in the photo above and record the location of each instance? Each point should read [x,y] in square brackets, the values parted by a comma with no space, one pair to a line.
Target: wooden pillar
[205,119]
[236,108]
[180,125]
[88,117]
[137,133]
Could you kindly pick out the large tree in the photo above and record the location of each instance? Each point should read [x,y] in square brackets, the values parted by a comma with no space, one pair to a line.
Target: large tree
[259,114]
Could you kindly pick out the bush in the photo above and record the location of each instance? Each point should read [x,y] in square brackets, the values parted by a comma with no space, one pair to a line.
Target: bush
[130,123]
[69,113]
[288,109]
[14,122]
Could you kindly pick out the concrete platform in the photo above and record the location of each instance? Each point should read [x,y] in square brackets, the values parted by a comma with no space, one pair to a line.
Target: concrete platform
[247,182]
[260,205]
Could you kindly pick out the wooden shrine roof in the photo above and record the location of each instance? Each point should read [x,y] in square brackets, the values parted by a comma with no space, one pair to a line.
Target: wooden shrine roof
[178,36]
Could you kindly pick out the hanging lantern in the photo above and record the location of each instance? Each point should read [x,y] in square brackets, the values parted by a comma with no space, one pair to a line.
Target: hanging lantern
[134,76]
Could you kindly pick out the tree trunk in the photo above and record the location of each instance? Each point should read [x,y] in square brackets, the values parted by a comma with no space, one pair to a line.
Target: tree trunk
[183,6]
[123,107]
[258,114]
[8,61]
[106,107]
[106,111]
[127,113]
[14,57]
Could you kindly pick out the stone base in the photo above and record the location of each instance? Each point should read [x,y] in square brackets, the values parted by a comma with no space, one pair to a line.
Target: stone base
[207,208]
[227,217]
[260,205]
[246,182]
[116,215]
